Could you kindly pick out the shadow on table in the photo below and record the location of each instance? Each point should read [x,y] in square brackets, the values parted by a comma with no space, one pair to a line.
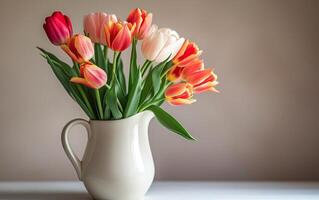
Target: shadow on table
[44,196]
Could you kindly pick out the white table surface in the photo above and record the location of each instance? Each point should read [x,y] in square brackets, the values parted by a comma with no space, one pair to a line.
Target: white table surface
[170,191]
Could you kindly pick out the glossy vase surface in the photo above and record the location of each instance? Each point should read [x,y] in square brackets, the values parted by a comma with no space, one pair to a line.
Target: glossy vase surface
[117,163]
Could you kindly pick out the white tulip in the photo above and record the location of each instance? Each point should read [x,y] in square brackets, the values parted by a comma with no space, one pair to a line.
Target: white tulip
[160,44]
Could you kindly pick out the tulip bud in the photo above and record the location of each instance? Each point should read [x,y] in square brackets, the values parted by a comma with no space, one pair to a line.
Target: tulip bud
[143,21]
[118,35]
[203,80]
[161,44]
[80,48]
[58,28]
[91,76]
[94,24]
[179,94]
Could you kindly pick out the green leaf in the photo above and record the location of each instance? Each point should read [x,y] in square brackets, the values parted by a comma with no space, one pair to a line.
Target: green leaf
[111,100]
[121,76]
[156,78]
[170,122]
[65,81]
[147,87]
[133,65]
[167,67]
[100,60]
[153,81]
[64,73]
[120,83]
[67,69]
[134,95]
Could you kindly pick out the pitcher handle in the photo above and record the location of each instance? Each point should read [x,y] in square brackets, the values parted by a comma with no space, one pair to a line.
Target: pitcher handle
[76,162]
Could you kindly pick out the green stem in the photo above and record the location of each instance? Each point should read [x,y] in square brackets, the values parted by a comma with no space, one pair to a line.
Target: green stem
[86,101]
[119,104]
[105,52]
[132,60]
[115,56]
[76,66]
[98,101]
[145,66]
[107,86]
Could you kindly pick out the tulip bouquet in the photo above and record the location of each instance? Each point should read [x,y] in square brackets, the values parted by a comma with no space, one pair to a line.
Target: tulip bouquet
[172,71]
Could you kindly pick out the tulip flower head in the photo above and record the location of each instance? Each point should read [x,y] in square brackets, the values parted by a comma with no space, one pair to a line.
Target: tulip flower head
[58,28]
[143,21]
[91,76]
[79,48]
[203,80]
[161,44]
[179,94]
[94,24]
[187,55]
[118,35]
[177,73]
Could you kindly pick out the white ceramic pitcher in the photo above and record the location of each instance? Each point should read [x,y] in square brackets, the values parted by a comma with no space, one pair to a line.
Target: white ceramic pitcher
[117,163]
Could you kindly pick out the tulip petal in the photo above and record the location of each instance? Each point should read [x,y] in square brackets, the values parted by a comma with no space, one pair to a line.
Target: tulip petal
[84,47]
[94,75]
[122,40]
[199,76]
[181,51]
[175,90]
[145,26]
[195,66]
[170,50]
[81,81]
[175,74]
[152,46]
[178,102]
[209,86]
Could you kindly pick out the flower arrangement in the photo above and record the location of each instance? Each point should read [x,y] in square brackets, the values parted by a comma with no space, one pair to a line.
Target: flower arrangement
[173,70]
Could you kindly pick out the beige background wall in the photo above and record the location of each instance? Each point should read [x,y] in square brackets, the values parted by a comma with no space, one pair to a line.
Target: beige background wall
[263,126]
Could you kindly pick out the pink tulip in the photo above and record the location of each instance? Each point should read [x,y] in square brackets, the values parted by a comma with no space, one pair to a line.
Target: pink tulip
[94,24]
[143,21]
[58,28]
[80,48]
[91,76]
[179,94]
[118,35]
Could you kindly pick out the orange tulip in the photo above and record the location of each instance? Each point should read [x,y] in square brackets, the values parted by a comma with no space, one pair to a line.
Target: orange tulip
[143,21]
[179,94]
[203,80]
[91,76]
[118,35]
[79,48]
[176,73]
[187,55]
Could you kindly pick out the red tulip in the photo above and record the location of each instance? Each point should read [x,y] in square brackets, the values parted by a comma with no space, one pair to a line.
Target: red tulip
[80,48]
[142,19]
[58,28]
[91,76]
[179,94]
[118,35]
[203,80]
